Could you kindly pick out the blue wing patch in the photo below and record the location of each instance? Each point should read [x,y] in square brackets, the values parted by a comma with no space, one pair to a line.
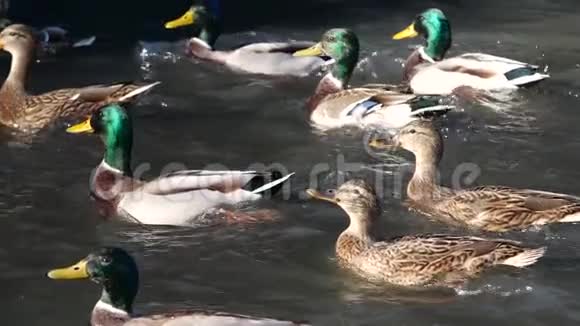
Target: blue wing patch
[364,108]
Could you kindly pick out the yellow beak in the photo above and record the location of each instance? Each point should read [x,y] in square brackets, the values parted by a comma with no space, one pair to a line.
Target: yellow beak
[317,195]
[1,45]
[313,51]
[76,271]
[186,19]
[81,128]
[408,32]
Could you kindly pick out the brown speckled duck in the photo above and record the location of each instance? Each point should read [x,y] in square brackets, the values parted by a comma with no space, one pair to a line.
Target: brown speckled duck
[421,260]
[490,208]
[28,113]
[116,271]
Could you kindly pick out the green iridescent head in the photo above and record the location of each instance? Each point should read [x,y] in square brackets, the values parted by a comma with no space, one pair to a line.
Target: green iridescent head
[114,125]
[203,17]
[341,45]
[113,268]
[435,28]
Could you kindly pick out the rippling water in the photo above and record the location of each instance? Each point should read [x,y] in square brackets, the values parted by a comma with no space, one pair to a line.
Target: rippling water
[204,115]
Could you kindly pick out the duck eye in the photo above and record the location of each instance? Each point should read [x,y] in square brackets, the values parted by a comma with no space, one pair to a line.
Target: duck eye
[105,260]
[330,192]
[412,131]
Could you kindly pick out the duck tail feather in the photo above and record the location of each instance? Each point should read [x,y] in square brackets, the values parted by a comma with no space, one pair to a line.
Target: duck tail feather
[137,91]
[272,182]
[429,105]
[88,41]
[525,258]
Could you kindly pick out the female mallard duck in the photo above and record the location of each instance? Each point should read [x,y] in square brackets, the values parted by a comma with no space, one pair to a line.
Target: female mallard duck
[333,105]
[427,72]
[422,260]
[54,39]
[490,208]
[173,199]
[256,58]
[31,113]
[117,272]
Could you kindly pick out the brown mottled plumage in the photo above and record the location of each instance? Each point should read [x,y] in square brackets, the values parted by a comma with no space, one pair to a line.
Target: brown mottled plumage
[421,260]
[490,208]
[31,113]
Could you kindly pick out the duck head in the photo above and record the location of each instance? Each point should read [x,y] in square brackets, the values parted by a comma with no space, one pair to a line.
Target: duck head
[418,137]
[359,200]
[435,28]
[204,17]
[113,268]
[342,46]
[18,39]
[113,124]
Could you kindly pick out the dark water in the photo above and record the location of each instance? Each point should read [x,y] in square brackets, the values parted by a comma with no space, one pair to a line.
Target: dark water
[203,115]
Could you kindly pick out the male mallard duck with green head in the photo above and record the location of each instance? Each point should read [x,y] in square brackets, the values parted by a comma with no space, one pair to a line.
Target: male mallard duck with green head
[177,198]
[31,113]
[257,58]
[420,260]
[489,208]
[428,72]
[334,105]
[117,272]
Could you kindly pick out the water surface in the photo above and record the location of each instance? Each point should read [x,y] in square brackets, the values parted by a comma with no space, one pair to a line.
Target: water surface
[204,115]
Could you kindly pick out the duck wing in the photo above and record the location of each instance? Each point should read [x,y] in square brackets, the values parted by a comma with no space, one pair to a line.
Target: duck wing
[181,197]
[440,258]
[497,208]
[269,47]
[488,66]
[373,106]
[120,92]
[399,88]
[222,181]
[274,59]
[79,102]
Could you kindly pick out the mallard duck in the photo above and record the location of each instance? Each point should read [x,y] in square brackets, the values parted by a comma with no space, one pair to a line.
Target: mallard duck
[333,105]
[117,272]
[267,58]
[173,199]
[490,208]
[31,113]
[427,72]
[421,260]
